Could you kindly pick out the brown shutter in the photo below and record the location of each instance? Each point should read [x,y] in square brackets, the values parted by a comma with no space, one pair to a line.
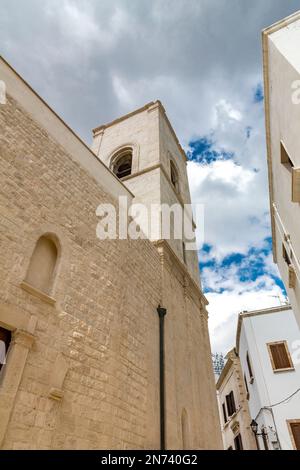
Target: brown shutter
[292,277]
[231,408]
[295,427]
[296,184]
[280,356]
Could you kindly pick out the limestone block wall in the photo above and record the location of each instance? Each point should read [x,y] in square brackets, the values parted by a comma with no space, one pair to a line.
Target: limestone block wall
[83,367]
[104,320]
[190,387]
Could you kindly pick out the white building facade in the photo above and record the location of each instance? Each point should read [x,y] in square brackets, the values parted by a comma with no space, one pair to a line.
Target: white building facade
[281,45]
[268,345]
[233,406]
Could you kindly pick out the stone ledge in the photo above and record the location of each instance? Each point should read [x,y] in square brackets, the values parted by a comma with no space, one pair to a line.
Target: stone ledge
[56,394]
[37,293]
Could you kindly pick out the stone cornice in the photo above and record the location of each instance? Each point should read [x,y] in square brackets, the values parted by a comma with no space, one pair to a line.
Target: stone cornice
[148,107]
[159,166]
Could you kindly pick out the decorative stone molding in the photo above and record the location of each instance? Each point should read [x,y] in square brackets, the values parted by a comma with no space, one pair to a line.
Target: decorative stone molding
[37,293]
[23,338]
[235,427]
[114,155]
[22,325]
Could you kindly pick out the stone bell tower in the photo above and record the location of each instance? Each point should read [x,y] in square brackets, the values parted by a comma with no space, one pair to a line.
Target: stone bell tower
[142,149]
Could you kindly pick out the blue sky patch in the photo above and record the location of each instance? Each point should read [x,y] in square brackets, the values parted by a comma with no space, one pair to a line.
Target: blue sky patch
[247,268]
[258,94]
[202,151]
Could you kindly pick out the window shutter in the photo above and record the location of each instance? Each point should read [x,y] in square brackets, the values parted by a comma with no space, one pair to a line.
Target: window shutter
[296,184]
[292,277]
[280,356]
[232,402]
[231,408]
[295,427]
[238,442]
[228,403]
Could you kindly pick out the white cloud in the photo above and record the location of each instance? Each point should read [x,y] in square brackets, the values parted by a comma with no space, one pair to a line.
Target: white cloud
[224,309]
[93,61]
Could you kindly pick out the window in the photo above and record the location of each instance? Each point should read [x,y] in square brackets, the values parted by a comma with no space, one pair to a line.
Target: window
[284,156]
[291,272]
[42,265]
[294,428]
[231,408]
[296,185]
[280,356]
[183,252]
[249,368]
[246,385]
[224,413]
[174,175]
[287,162]
[122,165]
[285,255]
[5,340]
[238,444]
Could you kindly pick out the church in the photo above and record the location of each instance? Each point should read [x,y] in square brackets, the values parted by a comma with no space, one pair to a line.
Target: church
[106,340]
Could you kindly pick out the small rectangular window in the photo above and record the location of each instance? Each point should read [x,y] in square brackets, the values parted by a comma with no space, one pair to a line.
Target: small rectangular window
[231,408]
[5,340]
[285,255]
[249,368]
[280,356]
[284,156]
[224,413]
[184,252]
[238,444]
[295,433]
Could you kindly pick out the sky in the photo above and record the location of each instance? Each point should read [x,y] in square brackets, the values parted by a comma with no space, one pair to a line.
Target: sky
[94,60]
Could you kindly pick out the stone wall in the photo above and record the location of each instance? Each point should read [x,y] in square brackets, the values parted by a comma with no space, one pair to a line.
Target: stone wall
[83,366]
[104,320]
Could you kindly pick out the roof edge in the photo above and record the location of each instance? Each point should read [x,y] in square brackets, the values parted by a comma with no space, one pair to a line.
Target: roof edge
[115,182]
[254,313]
[281,23]
[151,104]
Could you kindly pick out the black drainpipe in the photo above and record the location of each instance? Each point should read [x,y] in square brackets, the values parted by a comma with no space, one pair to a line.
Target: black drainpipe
[161,313]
